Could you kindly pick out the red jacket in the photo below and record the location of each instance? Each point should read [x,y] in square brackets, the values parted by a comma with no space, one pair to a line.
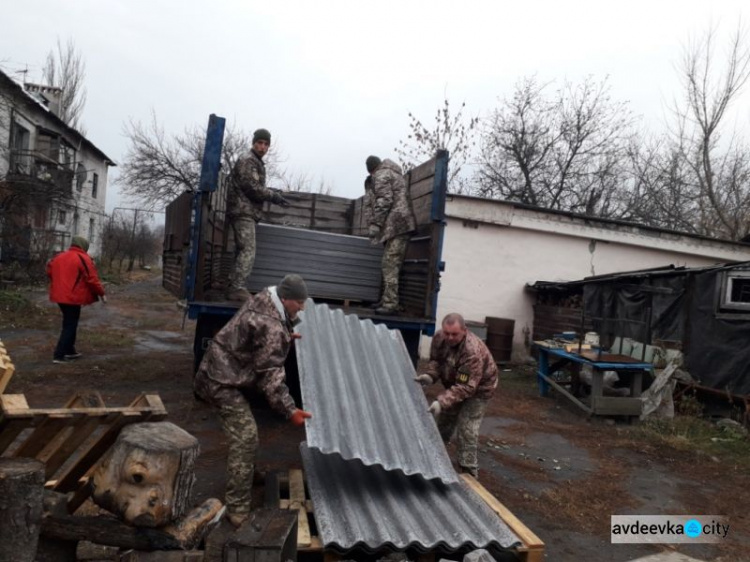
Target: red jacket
[73,278]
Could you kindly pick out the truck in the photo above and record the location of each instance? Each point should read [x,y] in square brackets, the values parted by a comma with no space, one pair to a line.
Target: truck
[321,237]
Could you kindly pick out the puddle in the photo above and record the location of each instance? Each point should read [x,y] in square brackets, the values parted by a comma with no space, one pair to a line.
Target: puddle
[161,340]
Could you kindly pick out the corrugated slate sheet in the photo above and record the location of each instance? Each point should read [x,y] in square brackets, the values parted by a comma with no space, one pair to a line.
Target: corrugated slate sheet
[358,382]
[357,506]
[333,265]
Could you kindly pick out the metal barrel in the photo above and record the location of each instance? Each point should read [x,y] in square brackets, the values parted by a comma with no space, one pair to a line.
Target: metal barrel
[500,337]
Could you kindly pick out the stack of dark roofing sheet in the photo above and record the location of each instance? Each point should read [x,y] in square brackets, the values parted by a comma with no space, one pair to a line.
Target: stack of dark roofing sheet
[367,507]
[333,265]
[377,469]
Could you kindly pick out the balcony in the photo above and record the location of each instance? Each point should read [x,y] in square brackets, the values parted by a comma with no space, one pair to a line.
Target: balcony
[31,166]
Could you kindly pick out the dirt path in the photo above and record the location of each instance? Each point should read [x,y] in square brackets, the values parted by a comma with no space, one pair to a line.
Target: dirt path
[559,473]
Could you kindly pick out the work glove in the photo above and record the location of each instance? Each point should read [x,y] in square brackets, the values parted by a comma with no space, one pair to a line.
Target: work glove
[278,199]
[424,379]
[299,416]
[373,231]
[435,408]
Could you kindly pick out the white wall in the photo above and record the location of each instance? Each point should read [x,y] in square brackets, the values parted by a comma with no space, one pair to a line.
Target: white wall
[488,265]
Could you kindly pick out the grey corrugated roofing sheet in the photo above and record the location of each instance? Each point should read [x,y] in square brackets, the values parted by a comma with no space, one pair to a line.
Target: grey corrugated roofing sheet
[358,382]
[367,507]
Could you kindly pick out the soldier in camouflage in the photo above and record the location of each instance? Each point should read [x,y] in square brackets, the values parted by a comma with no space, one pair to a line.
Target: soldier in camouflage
[248,354]
[247,193]
[462,362]
[391,222]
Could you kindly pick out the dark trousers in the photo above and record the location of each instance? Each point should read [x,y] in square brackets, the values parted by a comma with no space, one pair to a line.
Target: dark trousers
[66,345]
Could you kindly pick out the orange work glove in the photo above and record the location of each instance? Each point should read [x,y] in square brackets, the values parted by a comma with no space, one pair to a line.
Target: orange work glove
[299,417]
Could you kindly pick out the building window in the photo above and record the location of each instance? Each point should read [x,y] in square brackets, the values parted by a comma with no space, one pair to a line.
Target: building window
[735,291]
[75,224]
[95,186]
[80,176]
[92,224]
[61,216]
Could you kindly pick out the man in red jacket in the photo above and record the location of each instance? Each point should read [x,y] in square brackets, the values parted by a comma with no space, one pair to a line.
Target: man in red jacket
[73,283]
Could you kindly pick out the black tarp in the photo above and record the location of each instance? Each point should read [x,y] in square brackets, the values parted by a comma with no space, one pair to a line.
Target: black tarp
[684,308]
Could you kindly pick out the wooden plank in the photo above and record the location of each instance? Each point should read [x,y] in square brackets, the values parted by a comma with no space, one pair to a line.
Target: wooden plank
[289,504]
[91,454]
[45,432]
[421,188]
[297,501]
[12,402]
[616,406]
[422,171]
[316,545]
[6,372]
[423,209]
[10,430]
[567,394]
[272,491]
[528,538]
[57,454]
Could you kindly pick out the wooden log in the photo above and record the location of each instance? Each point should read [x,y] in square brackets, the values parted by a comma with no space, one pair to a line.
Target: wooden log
[21,497]
[147,476]
[193,528]
[107,531]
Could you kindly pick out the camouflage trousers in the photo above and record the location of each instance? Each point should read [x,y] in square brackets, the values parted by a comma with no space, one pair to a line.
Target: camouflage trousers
[239,426]
[464,420]
[393,257]
[244,249]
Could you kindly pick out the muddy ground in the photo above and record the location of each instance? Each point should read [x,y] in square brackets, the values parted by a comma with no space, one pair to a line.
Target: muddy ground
[559,473]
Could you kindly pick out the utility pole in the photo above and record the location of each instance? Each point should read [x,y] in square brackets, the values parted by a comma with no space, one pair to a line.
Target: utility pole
[132,241]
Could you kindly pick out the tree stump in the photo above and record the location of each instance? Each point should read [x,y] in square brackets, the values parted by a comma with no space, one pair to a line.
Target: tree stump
[147,476]
[21,493]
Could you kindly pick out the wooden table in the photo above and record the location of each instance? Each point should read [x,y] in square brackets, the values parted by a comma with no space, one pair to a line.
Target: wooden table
[599,362]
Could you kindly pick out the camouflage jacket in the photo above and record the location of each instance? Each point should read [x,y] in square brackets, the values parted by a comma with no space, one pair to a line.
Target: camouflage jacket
[247,188]
[388,203]
[465,370]
[248,354]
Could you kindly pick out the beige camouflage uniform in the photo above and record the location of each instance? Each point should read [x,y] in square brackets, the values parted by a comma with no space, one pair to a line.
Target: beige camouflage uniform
[469,374]
[247,192]
[247,354]
[389,209]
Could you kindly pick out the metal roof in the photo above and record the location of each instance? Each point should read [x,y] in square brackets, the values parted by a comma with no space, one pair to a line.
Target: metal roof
[358,382]
[663,271]
[370,508]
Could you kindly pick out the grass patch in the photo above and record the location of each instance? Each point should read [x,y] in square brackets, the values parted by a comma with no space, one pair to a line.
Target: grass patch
[18,311]
[689,433]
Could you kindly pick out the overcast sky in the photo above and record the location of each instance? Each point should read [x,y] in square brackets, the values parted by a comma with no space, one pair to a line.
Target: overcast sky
[335,81]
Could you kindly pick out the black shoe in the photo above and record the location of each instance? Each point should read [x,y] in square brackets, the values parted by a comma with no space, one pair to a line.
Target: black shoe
[73,356]
[59,361]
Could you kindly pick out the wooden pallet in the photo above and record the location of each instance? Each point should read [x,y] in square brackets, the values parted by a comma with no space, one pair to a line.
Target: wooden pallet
[70,440]
[288,491]
[6,368]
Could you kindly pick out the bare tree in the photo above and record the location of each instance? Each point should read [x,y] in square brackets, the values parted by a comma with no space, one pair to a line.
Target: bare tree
[719,163]
[566,151]
[66,69]
[450,131]
[159,167]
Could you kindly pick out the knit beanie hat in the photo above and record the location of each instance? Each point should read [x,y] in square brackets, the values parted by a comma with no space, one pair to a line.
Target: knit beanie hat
[292,287]
[81,242]
[372,162]
[262,134]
